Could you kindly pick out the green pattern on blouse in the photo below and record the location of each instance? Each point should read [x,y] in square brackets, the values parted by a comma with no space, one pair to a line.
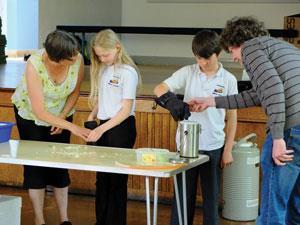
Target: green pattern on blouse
[55,95]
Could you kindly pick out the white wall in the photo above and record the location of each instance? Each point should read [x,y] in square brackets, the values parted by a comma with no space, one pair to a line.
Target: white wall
[202,15]
[77,12]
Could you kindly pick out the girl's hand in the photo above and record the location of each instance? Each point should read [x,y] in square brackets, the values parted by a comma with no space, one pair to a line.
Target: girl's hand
[91,117]
[95,134]
[227,159]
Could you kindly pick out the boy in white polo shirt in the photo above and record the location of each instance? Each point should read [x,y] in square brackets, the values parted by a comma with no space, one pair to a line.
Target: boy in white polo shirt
[205,78]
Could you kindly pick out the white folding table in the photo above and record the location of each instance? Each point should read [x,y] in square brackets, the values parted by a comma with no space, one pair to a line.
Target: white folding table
[100,159]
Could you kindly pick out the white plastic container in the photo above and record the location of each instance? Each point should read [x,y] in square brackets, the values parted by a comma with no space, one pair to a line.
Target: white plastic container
[10,210]
[151,155]
[241,182]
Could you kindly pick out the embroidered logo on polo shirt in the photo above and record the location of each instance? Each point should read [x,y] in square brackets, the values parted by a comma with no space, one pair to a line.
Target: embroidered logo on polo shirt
[115,81]
[219,90]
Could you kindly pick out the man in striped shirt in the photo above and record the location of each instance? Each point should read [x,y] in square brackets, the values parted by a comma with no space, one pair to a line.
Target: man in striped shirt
[274,70]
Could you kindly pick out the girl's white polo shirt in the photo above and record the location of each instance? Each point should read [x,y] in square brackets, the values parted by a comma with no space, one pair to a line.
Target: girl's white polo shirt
[196,84]
[116,83]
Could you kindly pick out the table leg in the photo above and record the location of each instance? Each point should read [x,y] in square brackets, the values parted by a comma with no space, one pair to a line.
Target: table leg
[184,198]
[155,201]
[148,200]
[177,200]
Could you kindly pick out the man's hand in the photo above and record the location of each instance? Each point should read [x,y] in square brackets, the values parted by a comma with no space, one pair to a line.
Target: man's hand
[280,154]
[178,109]
[201,103]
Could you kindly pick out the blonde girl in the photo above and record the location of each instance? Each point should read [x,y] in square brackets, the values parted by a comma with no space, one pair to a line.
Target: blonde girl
[114,82]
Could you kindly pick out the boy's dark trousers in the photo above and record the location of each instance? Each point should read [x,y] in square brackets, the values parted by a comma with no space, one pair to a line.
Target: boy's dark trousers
[210,174]
[111,189]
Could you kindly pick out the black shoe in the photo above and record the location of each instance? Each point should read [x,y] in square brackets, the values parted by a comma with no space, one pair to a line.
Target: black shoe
[66,223]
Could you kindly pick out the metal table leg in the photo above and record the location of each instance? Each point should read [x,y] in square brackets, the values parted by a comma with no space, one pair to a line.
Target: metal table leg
[148,201]
[184,219]
[155,201]
[184,199]
[177,200]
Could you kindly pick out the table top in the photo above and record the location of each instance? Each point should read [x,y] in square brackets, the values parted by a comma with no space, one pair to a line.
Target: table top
[91,158]
[11,74]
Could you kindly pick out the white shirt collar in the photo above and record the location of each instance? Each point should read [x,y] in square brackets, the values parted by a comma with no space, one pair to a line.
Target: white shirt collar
[217,74]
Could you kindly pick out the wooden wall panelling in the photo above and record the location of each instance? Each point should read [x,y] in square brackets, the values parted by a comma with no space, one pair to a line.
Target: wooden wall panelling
[10,174]
[156,128]
[165,143]
[81,181]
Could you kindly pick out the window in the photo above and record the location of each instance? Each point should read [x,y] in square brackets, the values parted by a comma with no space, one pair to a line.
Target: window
[20,23]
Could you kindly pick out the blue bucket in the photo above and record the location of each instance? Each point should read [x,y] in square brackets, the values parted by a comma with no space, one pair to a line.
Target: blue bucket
[5,131]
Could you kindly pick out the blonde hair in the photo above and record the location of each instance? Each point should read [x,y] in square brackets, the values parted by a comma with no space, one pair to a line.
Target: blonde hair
[108,40]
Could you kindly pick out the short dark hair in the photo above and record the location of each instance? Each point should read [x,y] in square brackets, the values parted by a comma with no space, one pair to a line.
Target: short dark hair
[206,43]
[241,29]
[60,45]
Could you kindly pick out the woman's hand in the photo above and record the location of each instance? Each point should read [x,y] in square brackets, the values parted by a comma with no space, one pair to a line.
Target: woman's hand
[227,159]
[80,131]
[56,130]
[95,134]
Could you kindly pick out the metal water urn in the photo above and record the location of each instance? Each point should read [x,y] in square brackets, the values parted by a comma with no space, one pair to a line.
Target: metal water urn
[241,181]
[189,138]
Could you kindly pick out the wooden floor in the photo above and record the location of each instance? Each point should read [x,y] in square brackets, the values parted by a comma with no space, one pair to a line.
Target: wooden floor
[81,210]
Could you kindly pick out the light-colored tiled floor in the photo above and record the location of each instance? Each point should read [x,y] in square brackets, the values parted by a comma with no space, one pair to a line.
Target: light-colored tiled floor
[81,210]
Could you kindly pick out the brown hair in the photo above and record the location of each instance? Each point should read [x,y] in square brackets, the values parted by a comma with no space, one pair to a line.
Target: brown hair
[60,45]
[241,29]
[206,43]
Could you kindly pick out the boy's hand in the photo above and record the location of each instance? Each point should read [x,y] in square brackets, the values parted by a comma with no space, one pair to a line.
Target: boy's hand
[227,159]
[178,109]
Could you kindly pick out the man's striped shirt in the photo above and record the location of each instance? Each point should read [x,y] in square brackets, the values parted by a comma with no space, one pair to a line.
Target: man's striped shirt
[273,66]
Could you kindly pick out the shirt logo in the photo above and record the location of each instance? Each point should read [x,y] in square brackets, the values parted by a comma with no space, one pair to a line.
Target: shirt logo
[115,81]
[219,90]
